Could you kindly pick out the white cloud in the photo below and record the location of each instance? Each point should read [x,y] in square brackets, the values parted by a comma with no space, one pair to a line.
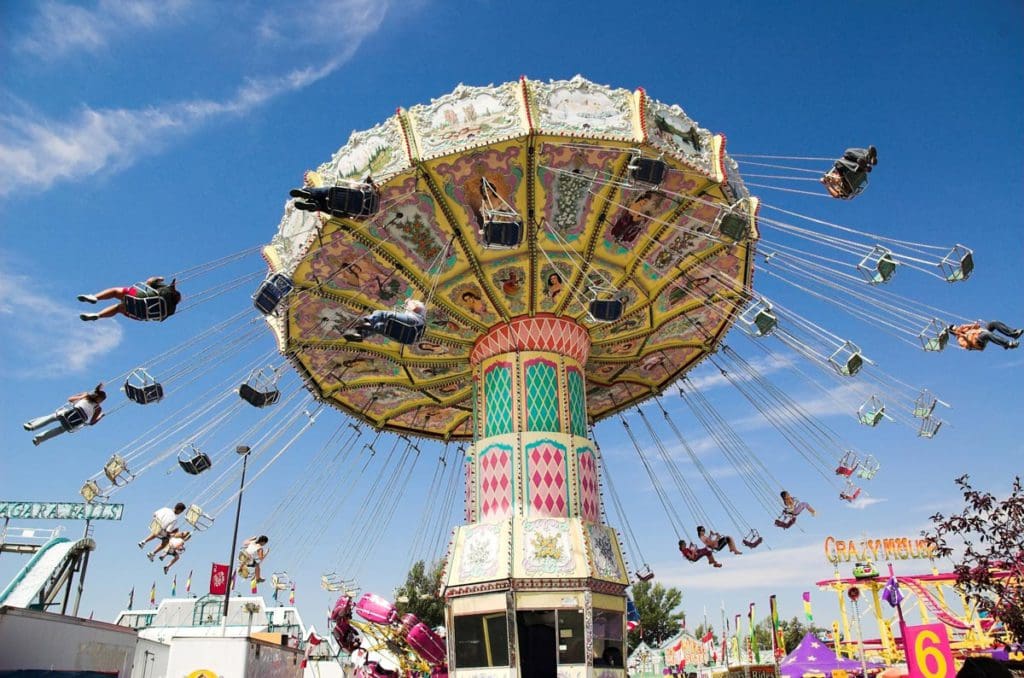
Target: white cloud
[59,29]
[44,337]
[38,152]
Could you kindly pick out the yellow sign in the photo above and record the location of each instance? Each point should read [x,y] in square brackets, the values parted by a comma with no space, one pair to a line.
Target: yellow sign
[890,548]
[203,673]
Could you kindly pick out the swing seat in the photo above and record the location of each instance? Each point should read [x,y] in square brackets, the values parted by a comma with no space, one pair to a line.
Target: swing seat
[871,417]
[90,490]
[402,332]
[502,231]
[847,359]
[924,405]
[605,310]
[850,492]
[734,225]
[71,418]
[270,293]
[194,462]
[868,468]
[929,427]
[846,184]
[758,320]
[146,305]
[645,573]
[258,398]
[692,554]
[753,539]
[958,264]
[280,581]
[140,387]
[116,471]
[647,170]
[195,517]
[878,266]
[359,200]
[785,521]
[155,528]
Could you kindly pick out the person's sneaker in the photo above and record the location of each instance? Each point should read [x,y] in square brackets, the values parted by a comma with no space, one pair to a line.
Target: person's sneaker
[88,298]
[142,544]
[352,335]
[1016,334]
[872,155]
[260,580]
[1012,344]
[89,316]
[300,193]
[36,441]
[27,426]
[151,556]
[166,567]
[306,206]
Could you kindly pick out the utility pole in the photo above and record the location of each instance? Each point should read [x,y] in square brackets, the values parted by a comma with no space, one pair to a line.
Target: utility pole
[244,451]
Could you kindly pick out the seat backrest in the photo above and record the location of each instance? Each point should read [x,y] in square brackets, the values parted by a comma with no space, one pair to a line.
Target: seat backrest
[145,308]
[143,395]
[605,310]
[503,234]
[258,398]
[648,170]
[270,293]
[71,418]
[403,333]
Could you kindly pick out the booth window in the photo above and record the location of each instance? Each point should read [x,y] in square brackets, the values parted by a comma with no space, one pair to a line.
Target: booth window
[481,640]
[608,638]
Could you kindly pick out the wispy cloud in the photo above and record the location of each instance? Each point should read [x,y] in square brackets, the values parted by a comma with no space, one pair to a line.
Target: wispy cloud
[775,568]
[44,337]
[59,29]
[38,152]
[864,501]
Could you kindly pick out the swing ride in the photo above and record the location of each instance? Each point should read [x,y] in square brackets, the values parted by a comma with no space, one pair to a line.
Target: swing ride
[579,250]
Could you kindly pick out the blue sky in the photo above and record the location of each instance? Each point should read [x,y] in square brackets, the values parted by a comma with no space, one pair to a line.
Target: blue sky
[152,137]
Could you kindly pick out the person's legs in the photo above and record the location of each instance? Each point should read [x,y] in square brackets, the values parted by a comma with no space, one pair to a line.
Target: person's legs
[378,319]
[1003,328]
[41,438]
[986,336]
[171,564]
[151,537]
[732,546]
[40,422]
[256,573]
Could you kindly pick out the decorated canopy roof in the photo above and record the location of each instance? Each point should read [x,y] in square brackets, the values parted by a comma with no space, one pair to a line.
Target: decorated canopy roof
[558,154]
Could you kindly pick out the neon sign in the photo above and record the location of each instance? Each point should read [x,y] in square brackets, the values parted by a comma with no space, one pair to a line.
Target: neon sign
[890,548]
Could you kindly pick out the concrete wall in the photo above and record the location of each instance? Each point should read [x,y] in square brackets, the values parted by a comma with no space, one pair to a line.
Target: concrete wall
[30,639]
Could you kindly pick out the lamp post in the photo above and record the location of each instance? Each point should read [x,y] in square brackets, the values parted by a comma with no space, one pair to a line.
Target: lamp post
[244,451]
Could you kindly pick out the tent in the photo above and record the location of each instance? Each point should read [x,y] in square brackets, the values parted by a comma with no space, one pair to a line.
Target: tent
[813,656]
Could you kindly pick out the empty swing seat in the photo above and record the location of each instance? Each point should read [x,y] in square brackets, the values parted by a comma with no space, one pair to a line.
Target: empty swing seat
[147,305]
[850,492]
[605,310]
[402,332]
[270,293]
[733,225]
[194,462]
[958,264]
[280,581]
[116,471]
[847,465]
[142,388]
[90,490]
[753,539]
[757,319]
[785,521]
[502,233]
[847,359]
[195,517]
[924,405]
[258,398]
[648,170]
[929,427]
[645,573]
[871,412]
[868,468]
[878,266]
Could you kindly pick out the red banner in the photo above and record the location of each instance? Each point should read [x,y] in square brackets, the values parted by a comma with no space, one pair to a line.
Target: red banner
[218,580]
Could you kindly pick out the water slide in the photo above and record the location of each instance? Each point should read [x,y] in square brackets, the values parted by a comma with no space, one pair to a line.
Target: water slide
[934,606]
[45,564]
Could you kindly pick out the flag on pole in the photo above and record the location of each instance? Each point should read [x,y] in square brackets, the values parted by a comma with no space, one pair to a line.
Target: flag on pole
[218,579]
[188,583]
[152,594]
[739,657]
[807,607]
[291,596]
[131,598]
[708,637]
[754,647]
[891,593]
[778,639]
[252,588]
[174,586]
[632,615]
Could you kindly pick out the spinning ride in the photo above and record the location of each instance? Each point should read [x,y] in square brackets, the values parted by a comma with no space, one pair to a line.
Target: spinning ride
[579,249]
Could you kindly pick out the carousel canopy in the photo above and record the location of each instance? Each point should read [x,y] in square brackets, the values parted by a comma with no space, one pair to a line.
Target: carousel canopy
[618,197]
[813,656]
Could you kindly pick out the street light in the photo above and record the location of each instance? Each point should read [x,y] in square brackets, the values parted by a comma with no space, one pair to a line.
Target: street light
[244,451]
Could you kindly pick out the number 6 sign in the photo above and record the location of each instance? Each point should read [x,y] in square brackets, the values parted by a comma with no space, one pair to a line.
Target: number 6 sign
[928,653]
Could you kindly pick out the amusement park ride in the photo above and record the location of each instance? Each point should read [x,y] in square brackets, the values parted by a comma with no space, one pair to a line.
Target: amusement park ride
[579,249]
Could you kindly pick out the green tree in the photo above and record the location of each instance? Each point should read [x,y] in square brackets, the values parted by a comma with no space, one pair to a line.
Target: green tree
[419,594]
[659,614]
[794,630]
[991,558]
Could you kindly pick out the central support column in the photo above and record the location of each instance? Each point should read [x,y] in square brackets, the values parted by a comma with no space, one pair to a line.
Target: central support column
[535,581]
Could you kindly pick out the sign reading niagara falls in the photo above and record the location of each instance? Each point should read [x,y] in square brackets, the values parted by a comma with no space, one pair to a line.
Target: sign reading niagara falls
[54,510]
